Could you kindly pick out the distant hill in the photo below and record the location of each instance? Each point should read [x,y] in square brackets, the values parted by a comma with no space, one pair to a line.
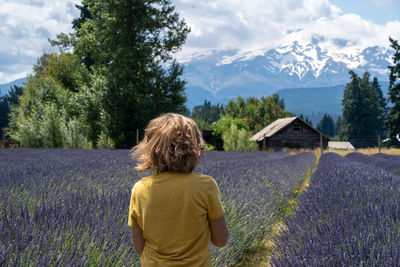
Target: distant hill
[315,101]
[4,88]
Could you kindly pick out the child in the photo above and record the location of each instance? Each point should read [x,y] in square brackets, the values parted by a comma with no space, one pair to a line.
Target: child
[174,212]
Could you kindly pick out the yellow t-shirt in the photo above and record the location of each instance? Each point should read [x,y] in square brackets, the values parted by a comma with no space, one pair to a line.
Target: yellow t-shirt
[173,210]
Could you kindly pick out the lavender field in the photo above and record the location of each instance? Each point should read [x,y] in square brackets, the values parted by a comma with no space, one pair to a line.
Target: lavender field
[69,207]
[349,216]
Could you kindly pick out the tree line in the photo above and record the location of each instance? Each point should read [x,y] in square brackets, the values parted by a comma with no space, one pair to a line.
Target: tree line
[367,116]
[112,74]
[116,71]
[233,125]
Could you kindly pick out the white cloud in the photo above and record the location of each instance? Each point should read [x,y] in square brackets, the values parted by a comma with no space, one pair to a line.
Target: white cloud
[24,30]
[260,25]
[216,24]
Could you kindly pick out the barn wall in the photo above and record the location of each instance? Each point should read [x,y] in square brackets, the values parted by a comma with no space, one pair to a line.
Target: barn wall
[295,135]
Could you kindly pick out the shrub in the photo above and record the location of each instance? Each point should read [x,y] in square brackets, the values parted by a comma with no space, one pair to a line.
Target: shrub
[238,140]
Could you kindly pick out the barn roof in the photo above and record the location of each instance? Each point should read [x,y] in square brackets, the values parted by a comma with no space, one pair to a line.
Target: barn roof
[340,145]
[273,128]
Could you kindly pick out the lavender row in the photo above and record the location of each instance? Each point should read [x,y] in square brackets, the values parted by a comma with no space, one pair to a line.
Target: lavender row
[65,208]
[349,216]
[253,188]
[389,163]
[69,207]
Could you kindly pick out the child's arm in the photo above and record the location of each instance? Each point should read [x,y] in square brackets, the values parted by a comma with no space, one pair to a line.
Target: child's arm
[219,232]
[138,239]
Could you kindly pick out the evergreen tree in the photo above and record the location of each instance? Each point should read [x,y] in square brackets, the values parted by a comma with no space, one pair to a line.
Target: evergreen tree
[361,112]
[382,104]
[6,102]
[131,44]
[326,125]
[307,120]
[206,114]
[337,126]
[4,110]
[393,115]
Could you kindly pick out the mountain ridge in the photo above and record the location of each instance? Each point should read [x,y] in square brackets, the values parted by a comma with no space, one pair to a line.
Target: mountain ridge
[222,75]
[298,70]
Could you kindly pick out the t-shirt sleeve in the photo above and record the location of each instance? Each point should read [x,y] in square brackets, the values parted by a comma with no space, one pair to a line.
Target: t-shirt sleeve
[215,209]
[132,218]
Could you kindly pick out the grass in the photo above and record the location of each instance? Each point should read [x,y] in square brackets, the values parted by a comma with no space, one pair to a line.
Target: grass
[344,152]
[262,254]
[366,151]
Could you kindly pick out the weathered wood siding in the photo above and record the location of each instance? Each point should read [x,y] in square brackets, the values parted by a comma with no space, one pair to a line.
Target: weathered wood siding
[295,135]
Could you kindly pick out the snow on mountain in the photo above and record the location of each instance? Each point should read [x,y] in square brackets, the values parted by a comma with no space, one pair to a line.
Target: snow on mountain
[225,74]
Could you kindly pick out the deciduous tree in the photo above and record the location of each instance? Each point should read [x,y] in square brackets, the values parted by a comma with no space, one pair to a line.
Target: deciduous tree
[132,42]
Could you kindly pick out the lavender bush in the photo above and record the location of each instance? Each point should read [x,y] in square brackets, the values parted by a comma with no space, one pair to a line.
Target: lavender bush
[349,216]
[389,163]
[69,207]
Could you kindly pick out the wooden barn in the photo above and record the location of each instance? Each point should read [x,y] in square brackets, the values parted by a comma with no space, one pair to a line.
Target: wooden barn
[290,132]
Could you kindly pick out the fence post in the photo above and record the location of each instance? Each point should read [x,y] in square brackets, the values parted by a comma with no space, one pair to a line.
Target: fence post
[137,136]
[379,143]
[320,142]
[264,143]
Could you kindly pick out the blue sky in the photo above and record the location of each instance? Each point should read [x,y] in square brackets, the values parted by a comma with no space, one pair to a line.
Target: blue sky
[378,11]
[216,25]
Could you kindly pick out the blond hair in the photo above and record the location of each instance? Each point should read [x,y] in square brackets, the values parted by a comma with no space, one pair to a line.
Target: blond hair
[172,142]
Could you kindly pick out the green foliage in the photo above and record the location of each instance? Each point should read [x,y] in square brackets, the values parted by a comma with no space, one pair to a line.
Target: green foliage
[105,142]
[393,115]
[327,126]
[204,115]
[75,135]
[202,124]
[258,113]
[132,43]
[361,112]
[4,111]
[52,126]
[236,139]
[67,70]
[89,101]
[210,147]
[338,126]
[382,103]
[6,102]
[225,123]
[64,67]
[250,115]
[41,118]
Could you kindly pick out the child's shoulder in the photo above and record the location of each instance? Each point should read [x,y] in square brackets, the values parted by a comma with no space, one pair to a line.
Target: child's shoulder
[201,176]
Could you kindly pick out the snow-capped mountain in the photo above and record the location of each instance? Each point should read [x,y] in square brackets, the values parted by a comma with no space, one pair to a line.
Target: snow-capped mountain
[220,75]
